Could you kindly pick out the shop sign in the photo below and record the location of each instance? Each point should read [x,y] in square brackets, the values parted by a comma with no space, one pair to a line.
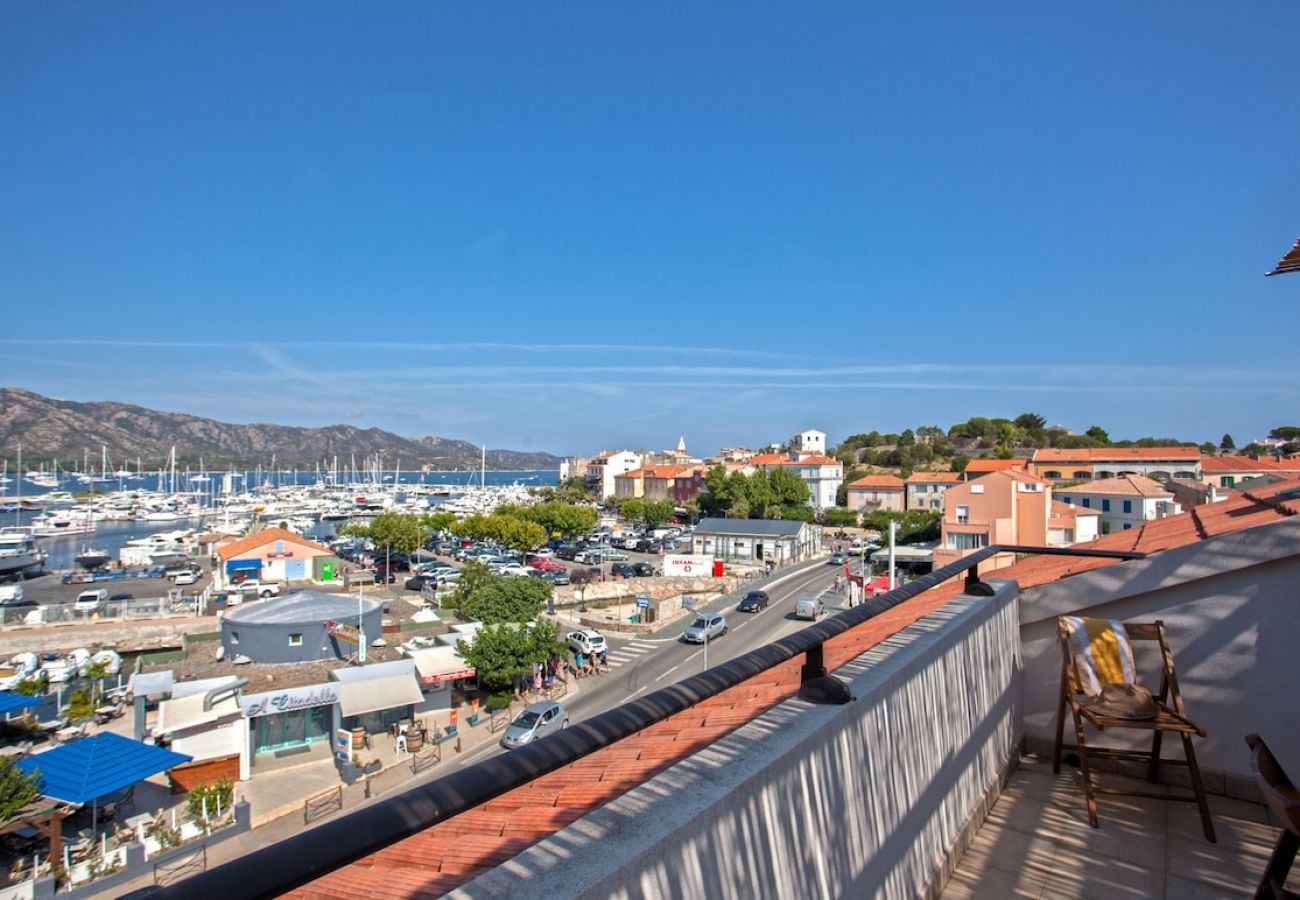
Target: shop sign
[688,564]
[449,676]
[288,700]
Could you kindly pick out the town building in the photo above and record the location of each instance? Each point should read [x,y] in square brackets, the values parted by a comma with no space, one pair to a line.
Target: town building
[1087,463]
[1230,471]
[1068,524]
[679,484]
[873,492]
[1007,507]
[925,490]
[760,540]
[275,555]
[573,467]
[605,467]
[822,474]
[809,443]
[1128,501]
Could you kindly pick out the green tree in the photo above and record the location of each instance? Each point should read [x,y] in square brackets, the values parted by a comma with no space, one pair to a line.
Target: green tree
[1227,443]
[399,531]
[473,576]
[632,509]
[500,599]
[572,490]
[438,521]
[914,525]
[17,788]
[355,529]
[501,653]
[1097,433]
[959,463]
[1030,422]
[1285,433]
[1208,448]
[1254,450]
[835,517]
[658,512]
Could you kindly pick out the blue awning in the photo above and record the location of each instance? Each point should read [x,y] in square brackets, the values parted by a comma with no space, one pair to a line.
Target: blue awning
[9,701]
[89,768]
[243,565]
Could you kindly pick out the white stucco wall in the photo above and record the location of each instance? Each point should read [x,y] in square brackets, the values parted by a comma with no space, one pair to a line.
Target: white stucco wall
[868,799]
[1229,605]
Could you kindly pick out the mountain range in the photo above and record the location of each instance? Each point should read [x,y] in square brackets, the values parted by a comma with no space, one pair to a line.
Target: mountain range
[49,429]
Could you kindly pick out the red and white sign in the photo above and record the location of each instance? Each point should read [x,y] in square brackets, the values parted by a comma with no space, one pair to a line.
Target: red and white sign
[690,565]
[449,676]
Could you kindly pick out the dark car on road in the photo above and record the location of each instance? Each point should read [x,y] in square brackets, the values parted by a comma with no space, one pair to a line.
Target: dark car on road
[622,570]
[753,602]
[643,569]
[417,582]
[568,551]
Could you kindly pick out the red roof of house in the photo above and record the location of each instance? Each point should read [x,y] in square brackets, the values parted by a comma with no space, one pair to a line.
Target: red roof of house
[1061,510]
[879,482]
[266,536]
[1216,465]
[445,856]
[995,465]
[934,478]
[1122,485]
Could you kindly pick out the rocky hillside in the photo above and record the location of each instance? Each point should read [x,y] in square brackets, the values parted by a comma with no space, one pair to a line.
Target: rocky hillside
[66,430]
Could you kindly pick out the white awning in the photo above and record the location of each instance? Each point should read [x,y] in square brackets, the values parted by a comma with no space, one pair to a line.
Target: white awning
[374,694]
[188,712]
[438,664]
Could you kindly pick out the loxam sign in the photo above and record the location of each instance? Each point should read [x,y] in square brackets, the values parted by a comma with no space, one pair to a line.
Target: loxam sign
[695,565]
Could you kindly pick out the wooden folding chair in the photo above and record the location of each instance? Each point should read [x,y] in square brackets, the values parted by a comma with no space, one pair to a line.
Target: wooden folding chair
[1169,717]
[1283,798]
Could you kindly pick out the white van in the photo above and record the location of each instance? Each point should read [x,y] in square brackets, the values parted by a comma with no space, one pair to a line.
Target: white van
[810,608]
[91,600]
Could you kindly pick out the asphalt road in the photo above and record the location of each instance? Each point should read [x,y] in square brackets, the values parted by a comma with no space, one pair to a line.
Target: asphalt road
[640,665]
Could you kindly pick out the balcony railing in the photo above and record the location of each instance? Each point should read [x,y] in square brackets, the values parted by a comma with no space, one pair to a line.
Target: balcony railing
[303,857]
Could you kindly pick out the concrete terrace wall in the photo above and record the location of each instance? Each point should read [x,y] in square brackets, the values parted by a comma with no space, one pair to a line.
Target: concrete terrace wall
[1229,604]
[870,799]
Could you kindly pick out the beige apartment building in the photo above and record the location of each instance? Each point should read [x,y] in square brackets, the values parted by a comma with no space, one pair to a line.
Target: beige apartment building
[1007,507]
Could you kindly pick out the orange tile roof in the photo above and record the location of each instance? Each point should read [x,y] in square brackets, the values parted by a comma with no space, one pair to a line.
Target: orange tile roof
[1066,511]
[1123,485]
[1113,454]
[666,471]
[814,461]
[449,854]
[266,536]
[995,465]
[880,482]
[1214,465]
[769,459]
[934,477]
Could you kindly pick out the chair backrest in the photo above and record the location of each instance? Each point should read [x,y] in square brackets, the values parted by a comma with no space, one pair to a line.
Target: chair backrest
[1097,652]
[1279,793]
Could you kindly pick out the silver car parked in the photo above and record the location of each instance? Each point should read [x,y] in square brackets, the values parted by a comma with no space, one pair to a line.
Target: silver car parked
[535,722]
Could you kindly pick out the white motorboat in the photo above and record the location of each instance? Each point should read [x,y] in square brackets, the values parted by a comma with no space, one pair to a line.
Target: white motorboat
[23,667]
[59,524]
[109,659]
[20,555]
[60,669]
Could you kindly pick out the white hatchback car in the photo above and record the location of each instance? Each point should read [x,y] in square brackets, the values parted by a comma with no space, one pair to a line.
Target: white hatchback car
[586,640]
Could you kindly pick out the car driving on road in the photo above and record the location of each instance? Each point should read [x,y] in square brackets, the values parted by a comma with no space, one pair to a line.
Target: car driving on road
[753,602]
[706,627]
[586,640]
[535,722]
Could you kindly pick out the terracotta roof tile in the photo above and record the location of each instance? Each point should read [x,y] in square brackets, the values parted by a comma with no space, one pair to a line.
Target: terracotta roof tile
[1114,454]
[934,478]
[995,465]
[266,536]
[879,482]
[1124,485]
[1215,465]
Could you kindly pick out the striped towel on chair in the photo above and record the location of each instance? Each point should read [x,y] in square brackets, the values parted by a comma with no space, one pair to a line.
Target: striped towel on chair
[1102,653]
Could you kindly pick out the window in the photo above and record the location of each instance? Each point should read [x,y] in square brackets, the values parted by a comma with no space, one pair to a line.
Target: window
[1064,498]
[1087,503]
[1229,480]
[234,637]
[1128,525]
[295,640]
[958,541]
[963,515]
[1105,505]
[1128,506]
[977,488]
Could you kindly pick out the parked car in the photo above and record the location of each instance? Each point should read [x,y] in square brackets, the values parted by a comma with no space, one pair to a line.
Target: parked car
[837,559]
[547,565]
[587,557]
[558,576]
[121,596]
[543,553]
[513,570]
[184,578]
[594,575]
[567,551]
[643,569]
[586,640]
[90,600]
[535,722]
[417,582]
[622,570]
[810,608]
[753,602]
[615,556]
[706,627]
[448,577]
[629,542]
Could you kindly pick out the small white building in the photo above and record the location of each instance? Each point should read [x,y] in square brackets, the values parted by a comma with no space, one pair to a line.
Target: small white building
[603,468]
[1128,501]
[810,442]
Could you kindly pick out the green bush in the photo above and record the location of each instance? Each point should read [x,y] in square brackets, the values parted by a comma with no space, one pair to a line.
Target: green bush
[499,700]
[220,793]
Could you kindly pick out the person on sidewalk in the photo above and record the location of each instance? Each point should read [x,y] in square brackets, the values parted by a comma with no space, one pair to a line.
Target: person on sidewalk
[578,668]
[604,660]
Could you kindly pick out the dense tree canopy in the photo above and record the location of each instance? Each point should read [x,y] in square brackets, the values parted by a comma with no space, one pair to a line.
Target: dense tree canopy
[484,597]
[763,495]
[398,531]
[914,526]
[502,653]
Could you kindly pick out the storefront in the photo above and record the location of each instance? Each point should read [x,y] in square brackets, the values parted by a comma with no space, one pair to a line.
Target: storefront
[379,696]
[442,671]
[290,719]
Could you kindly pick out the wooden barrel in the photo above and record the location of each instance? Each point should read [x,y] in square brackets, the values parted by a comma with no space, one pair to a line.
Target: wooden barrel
[358,738]
[414,740]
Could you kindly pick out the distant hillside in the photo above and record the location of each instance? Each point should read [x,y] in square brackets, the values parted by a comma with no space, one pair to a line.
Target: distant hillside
[62,429]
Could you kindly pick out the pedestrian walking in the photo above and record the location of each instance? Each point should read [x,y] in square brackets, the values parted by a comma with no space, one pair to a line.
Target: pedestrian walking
[537,680]
[579,669]
[604,660]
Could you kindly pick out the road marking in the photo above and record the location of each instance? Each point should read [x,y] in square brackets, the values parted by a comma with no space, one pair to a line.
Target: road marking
[669,672]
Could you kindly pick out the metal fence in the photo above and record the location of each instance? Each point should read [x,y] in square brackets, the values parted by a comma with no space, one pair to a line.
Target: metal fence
[124,609]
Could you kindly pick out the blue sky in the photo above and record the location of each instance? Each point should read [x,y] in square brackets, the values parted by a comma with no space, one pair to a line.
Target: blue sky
[575,227]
